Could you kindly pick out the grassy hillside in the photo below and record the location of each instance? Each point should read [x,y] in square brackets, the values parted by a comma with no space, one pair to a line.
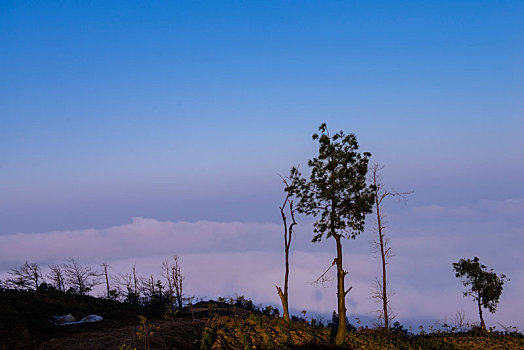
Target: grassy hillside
[25,324]
[270,333]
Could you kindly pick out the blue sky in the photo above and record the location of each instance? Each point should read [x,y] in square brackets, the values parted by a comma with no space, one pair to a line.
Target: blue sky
[187,111]
[116,109]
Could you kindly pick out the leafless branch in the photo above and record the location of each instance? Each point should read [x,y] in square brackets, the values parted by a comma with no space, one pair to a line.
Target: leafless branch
[323,280]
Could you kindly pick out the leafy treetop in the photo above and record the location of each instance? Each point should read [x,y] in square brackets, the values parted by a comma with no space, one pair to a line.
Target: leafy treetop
[337,189]
[485,286]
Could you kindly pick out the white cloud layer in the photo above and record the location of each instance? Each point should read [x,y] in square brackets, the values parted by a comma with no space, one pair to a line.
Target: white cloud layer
[224,258]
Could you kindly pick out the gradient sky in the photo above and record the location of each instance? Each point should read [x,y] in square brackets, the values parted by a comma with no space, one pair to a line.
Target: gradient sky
[187,111]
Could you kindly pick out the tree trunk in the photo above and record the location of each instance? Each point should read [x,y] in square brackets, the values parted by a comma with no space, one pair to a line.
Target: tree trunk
[107,283]
[106,267]
[284,295]
[383,256]
[341,294]
[288,233]
[384,287]
[283,298]
[482,324]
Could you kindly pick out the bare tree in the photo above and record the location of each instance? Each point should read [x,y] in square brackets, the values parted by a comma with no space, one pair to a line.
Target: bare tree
[27,276]
[381,244]
[56,275]
[81,278]
[147,287]
[126,280]
[459,321]
[178,279]
[288,235]
[106,267]
[172,272]
[166,273]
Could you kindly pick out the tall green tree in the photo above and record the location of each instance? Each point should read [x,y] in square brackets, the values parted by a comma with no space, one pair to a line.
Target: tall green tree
[485,286]
[337,193]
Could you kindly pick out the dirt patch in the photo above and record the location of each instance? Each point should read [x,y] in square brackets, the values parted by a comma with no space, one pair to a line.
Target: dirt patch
[180,334]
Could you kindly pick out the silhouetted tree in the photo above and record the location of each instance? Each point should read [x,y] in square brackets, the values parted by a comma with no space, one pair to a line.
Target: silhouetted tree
[125,280]
[172,272]
[167,272]
[288,235]
[56,275]
[81,278]
[147,287]
[337,192]
[178,280]
[484,286]
[27,276]
[381,244]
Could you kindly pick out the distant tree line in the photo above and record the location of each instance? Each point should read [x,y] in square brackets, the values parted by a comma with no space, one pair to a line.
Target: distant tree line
[75,278]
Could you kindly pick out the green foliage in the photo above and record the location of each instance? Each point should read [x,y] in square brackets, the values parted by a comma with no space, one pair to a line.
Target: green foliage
[271,333]
[485,286]
[208,338]
[126,347]
[146,331]
[170,312]
[263,332]
[336,190]
[245,303]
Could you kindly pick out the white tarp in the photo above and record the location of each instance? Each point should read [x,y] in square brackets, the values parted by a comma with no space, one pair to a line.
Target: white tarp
[66,320]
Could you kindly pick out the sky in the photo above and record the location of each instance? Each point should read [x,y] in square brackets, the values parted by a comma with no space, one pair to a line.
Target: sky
[134,130]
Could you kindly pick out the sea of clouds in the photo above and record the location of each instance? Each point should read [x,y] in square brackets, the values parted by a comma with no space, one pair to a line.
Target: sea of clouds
[246,258]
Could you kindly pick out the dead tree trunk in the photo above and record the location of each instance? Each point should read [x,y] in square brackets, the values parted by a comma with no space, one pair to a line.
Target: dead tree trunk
[105,266]
[135,279]
[381,244]
[288,233]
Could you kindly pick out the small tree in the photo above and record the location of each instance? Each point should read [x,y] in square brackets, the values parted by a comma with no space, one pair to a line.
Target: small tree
[146,331]
[288,235]
[27,276]
[337,192]
[484,286]
[81,278]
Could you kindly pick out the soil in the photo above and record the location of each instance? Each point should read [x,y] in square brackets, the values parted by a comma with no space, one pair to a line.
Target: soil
[180,334]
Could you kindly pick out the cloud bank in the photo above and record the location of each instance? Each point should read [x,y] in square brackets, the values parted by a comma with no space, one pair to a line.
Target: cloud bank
[224,258]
